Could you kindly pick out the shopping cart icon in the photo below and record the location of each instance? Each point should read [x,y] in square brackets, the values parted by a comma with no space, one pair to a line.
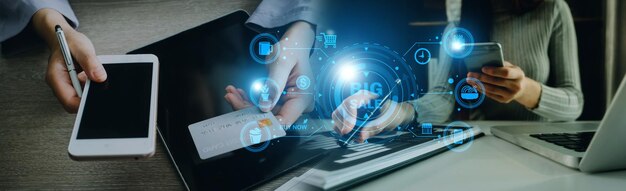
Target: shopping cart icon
[330,40]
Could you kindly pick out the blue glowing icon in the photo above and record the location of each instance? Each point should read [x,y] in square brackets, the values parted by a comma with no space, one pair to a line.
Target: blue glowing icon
[265,48]
[469,93]
[457,136]
[255,135]
[303,82]
[457,42]
[265,93]
[427,128]
[329,40]
[422,56]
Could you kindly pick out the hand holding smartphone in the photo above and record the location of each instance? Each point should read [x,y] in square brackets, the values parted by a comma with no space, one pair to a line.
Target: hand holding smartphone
[117,118]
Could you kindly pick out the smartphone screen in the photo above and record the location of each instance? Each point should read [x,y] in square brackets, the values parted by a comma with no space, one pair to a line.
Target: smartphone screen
[488,54]
[119,107]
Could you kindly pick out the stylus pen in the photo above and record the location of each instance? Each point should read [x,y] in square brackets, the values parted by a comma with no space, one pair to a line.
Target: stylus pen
[65,50]
[345,144]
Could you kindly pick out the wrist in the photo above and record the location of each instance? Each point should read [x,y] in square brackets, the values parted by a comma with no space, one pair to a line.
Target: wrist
[301,31]
[408,112]
[44,22]
[530,94]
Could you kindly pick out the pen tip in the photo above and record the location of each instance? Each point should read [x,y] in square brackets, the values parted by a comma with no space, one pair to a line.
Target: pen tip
[57,27]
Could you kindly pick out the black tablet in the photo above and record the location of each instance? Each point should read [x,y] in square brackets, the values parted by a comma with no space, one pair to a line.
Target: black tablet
[195,67]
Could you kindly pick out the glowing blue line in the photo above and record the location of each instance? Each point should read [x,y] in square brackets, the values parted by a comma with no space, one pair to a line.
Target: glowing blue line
[320,49]
[448,93]
[407,51]
[302,93]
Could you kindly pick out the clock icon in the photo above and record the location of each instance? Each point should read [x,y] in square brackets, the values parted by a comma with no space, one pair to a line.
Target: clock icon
[422,56]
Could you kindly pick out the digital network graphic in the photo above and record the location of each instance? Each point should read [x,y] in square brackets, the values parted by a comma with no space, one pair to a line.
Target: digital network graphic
[363,67]
[367,68]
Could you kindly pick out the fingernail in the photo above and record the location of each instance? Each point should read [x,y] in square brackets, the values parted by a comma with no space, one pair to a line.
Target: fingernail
[100,74]
[485,70]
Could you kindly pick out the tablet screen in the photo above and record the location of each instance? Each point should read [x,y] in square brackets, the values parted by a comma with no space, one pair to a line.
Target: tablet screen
[195,67]
[120,106]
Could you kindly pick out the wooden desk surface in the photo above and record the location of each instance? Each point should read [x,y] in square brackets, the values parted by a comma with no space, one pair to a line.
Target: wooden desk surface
[34,128]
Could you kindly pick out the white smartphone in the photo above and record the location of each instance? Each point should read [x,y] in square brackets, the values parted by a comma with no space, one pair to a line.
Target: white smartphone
[117,118]
[484,54]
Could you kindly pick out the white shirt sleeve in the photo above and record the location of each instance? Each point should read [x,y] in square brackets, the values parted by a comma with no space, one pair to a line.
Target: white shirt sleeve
[16,14]
[277,13]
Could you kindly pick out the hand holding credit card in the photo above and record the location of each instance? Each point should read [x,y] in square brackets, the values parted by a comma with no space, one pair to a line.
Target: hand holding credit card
[234,130]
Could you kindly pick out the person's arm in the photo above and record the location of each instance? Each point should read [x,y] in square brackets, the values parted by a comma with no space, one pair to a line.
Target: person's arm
[44,22]
[17,14]
[43,16]
[436,106]
[298,19]
[563,101]
[271,14]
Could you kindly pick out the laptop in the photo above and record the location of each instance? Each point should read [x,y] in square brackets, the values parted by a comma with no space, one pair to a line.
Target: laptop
[587,146]
[195,67]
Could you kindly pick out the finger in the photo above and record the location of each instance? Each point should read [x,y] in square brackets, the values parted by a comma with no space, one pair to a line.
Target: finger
[496,90]
[350,105]
[369,131]
[82,78]
[235,102]
[361,97]
[84,53]
[344,121]
[58,79]
[337,122]
[390,110]
[232,90]
[291,110]
[279,72]
[507,63]
[496,97]
[508,72]
[487,79]
[243,94]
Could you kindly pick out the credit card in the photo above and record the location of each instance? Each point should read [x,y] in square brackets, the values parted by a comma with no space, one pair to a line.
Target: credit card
[234,130]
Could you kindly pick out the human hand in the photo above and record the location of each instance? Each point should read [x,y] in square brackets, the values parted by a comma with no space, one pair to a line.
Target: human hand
[508,83]
[392,114]
[289,65]
[82,51]
[236,97]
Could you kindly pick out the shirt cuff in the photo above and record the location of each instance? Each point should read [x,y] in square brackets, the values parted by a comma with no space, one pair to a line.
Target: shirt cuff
[62,6]
[272,14]
[21,13]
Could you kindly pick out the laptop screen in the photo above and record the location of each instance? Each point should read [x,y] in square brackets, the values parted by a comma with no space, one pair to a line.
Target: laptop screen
[195,67]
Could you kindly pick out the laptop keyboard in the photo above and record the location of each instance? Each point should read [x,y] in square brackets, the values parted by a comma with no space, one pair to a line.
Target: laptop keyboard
[578,141]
